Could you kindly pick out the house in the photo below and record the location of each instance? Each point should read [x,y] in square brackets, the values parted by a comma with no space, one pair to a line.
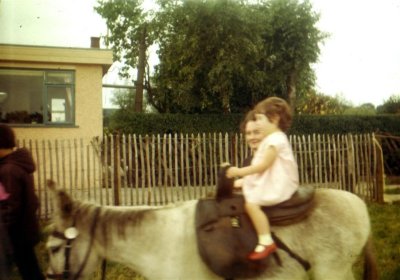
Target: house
[52,92]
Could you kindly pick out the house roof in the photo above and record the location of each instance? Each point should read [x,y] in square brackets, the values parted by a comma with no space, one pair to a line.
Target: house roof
[24,53]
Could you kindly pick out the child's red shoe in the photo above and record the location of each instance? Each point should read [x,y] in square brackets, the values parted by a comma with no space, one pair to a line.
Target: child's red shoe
[268,249]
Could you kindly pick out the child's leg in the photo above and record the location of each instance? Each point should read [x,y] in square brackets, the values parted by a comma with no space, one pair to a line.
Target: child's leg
[260,221]
[258,218]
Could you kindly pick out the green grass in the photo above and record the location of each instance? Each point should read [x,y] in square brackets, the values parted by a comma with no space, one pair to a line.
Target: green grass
[386,235]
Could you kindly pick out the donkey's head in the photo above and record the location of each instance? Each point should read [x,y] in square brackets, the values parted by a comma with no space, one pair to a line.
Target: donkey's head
[70,242]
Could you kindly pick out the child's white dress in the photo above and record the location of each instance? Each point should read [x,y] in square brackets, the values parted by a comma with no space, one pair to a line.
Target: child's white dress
[280,180]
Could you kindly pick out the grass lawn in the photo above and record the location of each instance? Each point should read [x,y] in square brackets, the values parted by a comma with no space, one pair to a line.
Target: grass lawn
[385,220]
[386,235]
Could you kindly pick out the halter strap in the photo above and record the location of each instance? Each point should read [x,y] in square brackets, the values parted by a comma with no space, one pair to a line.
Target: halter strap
[92,230]
[305,264]
[66,273]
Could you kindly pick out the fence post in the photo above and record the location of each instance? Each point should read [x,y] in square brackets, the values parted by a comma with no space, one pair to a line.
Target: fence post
[380,181]
[350,163]
[117,175]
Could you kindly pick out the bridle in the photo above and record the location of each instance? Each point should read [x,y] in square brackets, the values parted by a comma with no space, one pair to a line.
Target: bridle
[66,235]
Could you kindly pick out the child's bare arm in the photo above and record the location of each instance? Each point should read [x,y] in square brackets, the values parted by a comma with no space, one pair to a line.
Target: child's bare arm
[269,157]
[238,183]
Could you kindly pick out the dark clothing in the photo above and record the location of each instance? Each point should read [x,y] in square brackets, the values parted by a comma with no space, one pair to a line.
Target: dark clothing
[25,258]
[5,252]
[247,161]
[19,210]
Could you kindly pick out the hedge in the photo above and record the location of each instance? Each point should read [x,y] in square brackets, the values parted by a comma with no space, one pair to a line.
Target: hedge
[302,124]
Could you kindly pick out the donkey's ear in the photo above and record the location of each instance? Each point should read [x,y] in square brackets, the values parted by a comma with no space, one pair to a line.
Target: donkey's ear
[63,202]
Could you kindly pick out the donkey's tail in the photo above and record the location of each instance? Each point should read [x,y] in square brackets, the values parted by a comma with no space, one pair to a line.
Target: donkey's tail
[370,265]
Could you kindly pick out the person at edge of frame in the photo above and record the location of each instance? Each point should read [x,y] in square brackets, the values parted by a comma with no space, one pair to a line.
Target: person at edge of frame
[18,208]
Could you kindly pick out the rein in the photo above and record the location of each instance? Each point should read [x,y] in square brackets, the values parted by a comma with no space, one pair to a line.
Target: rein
[66,274]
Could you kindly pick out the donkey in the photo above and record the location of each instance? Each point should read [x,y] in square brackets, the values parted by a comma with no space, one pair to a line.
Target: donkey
[160,242]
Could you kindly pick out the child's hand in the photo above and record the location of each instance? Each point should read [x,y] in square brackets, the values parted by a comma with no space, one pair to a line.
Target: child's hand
[232,172]
[238,183]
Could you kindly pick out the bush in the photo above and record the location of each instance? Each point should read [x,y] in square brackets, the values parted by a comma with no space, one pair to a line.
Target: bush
[173,123]
[302,124]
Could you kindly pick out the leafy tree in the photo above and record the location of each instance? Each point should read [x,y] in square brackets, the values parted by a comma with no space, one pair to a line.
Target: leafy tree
[130,35]
[207,52]
[122,98]
[313,103]
[291,42]
[225,55]
[390,106]
[216,55]
[363,109]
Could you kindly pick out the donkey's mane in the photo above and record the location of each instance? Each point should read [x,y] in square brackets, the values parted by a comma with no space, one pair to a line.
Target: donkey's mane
[111,219]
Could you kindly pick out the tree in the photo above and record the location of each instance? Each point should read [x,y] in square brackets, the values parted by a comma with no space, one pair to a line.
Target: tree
[122,98]
[206,50]
[130,35]
[313,103]
[390,106]
[363,109]
[216,55]
[291,46]
[225,55]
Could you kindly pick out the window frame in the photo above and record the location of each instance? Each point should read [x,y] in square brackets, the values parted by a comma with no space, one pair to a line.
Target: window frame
[45,95]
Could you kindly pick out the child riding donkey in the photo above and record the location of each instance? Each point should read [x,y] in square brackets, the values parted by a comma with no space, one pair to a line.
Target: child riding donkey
[272,176]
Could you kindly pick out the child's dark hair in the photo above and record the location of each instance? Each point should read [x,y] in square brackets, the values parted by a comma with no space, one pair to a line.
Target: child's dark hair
[275,106]
[7,137]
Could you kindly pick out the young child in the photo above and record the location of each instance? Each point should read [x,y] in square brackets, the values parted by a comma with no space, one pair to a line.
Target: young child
[272,176]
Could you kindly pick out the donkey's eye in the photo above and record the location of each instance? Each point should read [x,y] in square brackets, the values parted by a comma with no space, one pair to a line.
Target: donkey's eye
[54,250]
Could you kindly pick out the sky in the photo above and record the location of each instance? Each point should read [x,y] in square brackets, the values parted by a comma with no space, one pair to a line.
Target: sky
[359,61]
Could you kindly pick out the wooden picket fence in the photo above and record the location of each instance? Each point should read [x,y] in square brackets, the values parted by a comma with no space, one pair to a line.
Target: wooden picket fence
[391,152]
[160,169]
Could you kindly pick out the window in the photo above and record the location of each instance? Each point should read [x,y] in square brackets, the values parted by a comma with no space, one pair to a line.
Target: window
[30,96]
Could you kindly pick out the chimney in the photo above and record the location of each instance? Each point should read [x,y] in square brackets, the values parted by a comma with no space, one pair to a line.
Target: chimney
[95,42]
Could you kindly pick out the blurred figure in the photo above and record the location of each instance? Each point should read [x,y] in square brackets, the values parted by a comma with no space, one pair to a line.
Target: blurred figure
[18,206]
[5,249]
[252,133]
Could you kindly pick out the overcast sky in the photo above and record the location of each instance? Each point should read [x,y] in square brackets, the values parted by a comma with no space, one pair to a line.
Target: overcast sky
[360,60]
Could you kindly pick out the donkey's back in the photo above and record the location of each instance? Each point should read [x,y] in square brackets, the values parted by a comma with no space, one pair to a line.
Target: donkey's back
[335,234]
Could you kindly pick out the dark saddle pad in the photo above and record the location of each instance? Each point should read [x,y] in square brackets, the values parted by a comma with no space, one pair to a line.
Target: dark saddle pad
[225,234]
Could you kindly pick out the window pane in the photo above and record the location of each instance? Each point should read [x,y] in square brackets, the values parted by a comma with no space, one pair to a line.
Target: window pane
[59,78]
[21,96]
[59,105]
